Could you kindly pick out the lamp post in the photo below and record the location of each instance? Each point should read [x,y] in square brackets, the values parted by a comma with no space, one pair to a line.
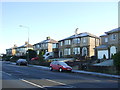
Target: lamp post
[28,39]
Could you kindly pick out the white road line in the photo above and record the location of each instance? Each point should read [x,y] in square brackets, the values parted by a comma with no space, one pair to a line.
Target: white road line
[59,83]
[32,83]
[7,73]
[55,81]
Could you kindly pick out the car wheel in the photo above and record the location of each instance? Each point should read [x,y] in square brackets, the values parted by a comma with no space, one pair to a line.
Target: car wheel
[60,70]
[51,68]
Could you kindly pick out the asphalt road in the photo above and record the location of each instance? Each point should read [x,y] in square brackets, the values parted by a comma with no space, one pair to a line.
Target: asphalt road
[14,76]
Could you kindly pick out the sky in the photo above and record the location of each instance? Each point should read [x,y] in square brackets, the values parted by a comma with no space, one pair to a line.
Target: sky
[55,19]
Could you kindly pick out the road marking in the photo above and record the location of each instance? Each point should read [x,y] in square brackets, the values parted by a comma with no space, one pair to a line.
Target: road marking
[55,81]
[32,83]
[7,73]
[59,83]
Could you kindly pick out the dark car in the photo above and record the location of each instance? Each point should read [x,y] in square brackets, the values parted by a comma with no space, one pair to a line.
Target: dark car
[21,62]
[60,66]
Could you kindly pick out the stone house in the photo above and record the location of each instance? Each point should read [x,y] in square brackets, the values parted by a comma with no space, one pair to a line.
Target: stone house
[48,45]
[78,45]
[110,44]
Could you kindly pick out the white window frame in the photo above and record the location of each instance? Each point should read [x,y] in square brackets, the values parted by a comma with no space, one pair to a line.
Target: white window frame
[84,40]
[76,41]
[67,42]
[76,50]
[67,51]
[106,39]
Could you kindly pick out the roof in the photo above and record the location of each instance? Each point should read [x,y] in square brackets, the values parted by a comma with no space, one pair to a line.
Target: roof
[103,35]
[102,47]
[23,46]
[114,30]
[84,34]
[49,41]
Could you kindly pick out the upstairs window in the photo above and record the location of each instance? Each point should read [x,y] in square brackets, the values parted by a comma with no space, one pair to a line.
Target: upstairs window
[67,42]
[84,40]
[61,43]
[113,36]
[106,39]
[76,41]
[54,45]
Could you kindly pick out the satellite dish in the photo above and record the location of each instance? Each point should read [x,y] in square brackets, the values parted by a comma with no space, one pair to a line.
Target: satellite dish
[77,31]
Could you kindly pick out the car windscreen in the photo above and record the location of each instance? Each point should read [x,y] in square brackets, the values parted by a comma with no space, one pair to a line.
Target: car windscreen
[63,63]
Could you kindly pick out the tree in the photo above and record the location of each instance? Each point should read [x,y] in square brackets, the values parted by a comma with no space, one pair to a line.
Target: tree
[41,53]
[31,53]
[116,60]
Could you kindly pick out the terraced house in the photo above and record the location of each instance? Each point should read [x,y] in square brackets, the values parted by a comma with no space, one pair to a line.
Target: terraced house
[78,45]
[48,45]
[19,51]
[110,44]
[11,51]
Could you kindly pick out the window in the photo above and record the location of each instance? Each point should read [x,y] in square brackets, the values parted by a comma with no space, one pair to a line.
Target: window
[67,51]
[113,36]
[61,43]
[67,42]
[54,45]
[84,40]
[76,50]
[106,39]
[97,41]
[84,51]
[76,41]
[37,46]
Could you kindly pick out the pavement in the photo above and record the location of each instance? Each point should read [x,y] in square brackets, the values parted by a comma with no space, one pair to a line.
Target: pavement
[79,71]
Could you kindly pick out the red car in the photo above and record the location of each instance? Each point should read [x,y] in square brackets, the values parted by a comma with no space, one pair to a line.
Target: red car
[60,65]
[35,58]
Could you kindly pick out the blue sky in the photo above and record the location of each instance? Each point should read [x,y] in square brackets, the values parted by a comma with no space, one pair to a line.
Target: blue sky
[55,19]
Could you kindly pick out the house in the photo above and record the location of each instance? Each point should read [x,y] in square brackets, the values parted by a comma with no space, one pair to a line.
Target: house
[110,44]
[78,45]
[19,51]
[48,45]
[11,51]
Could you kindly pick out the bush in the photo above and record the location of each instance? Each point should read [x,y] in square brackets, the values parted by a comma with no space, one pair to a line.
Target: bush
[14,58]
[116,61]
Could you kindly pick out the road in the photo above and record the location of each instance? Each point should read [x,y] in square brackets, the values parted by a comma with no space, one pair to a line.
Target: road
[14,76]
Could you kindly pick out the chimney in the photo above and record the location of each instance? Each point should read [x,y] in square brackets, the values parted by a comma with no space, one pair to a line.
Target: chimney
[48,38]
[26,43]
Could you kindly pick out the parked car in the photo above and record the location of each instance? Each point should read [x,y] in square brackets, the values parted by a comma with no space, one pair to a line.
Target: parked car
[35,58]
[48,55]
[21,62]
[60,66]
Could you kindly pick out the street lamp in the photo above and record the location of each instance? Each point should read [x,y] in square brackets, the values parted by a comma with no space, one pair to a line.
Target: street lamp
[28,39]
[28,31]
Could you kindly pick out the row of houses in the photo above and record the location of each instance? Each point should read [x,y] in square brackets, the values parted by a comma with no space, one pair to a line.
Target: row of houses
[77,45]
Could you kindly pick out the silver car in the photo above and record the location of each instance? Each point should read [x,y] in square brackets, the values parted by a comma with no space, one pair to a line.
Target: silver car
[21,62]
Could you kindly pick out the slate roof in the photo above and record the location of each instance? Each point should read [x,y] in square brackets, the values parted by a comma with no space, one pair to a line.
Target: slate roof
[114,30]
[23,46]
[49,41]
[102,47]
[84,34]
[103,35]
